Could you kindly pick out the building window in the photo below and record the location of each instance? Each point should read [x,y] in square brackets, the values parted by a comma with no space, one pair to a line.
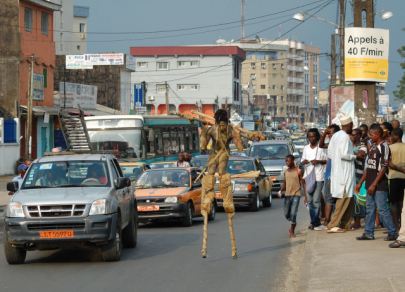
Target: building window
[282,66]
[274,75]
[28,19]
[163,66]
[315,58]
[194,63]
[263,65]
[61,41]
[282,98]
[282,54]
[262,86]
[306,77]
[282,87]
[263,75]
[78,48]
[315,78]
[274,66]
[142,64]
[253,76]
[45,73]
[82,27]
[253,65]
[181,64]
[181,87]
[274,86]
[161,88]
[194,87]
[44,23]
[306,55]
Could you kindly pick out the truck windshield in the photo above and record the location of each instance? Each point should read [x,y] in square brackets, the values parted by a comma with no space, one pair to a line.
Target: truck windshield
[67,174]
[268,152]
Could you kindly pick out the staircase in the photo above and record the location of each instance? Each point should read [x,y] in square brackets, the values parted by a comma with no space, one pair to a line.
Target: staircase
[75,131]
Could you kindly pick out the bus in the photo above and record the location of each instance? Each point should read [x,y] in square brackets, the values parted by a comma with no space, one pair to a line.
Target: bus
[143,138]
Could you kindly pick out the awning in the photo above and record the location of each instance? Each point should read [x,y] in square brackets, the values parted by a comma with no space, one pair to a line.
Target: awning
[41,110]
[54,111]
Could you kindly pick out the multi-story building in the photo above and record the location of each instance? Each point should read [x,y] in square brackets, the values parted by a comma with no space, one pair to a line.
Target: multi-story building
[70,26]
[197,77]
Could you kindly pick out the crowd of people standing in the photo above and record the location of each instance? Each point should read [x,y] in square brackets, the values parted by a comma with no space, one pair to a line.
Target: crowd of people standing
[350,174]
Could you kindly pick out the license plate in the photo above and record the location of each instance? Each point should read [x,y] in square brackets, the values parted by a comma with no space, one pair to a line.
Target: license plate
[56,234]
[148,208]
[273,178]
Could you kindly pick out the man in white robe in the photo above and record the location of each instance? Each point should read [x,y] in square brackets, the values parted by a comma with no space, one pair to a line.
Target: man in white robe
[343,179]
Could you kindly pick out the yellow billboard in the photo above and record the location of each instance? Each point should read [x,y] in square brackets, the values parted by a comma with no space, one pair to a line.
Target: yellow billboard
[366,54]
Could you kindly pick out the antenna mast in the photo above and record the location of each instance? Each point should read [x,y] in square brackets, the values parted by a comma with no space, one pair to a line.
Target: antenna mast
[242,21]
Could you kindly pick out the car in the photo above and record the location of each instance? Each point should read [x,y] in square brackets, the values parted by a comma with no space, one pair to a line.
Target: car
[295,136]
[272,156]
[284,132]
[133,170]
[161,164]
[278,136]
[299,145]
[247,191]
[71,201]
[166,194]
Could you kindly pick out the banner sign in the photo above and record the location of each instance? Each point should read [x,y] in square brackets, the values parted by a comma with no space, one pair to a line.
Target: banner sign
[366,54]
[104,59]
[38,87]
[78,94]
[383,104]
[77,62]
[249,126]
[130,63]
[138,94]
[141,109]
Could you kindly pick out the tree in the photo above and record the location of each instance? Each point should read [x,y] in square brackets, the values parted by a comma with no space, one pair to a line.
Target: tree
[400,93]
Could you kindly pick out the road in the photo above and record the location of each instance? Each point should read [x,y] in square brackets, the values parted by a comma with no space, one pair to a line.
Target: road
[168,258]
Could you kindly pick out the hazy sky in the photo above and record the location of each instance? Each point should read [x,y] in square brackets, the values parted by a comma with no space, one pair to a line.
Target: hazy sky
[131,17]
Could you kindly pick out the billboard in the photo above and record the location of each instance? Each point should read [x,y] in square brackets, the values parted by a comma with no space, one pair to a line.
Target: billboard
[77,62]
[366,54]
[38,87]
[341,102]
[383,104]
[78,94]
[138,95]
[104,59]
[130,63]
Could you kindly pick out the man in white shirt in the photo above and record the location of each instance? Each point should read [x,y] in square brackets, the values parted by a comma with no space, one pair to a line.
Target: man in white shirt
[395,124]
[181,162]
[314,158]
[343,179]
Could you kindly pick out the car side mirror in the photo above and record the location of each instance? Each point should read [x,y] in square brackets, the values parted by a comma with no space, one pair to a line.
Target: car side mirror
[262,173]
[122,182]
[296,154]
[12,186]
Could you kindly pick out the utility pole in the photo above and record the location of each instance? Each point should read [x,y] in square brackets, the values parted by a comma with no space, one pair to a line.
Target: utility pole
[342,41]
[29,110]
[242,20]
[167,100]
[333,61]
[64,86]
[365,115]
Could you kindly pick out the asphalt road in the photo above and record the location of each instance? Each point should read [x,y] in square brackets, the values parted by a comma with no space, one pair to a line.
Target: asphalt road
[168,258]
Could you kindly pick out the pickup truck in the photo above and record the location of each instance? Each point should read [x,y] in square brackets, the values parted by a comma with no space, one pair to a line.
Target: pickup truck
[71,201]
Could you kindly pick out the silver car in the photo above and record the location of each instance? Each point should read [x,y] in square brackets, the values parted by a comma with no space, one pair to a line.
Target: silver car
[71,201]
[272,155]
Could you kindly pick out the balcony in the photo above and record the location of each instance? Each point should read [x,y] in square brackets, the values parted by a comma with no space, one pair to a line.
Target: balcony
[295,68]
[295,57]
[295,91]
[295,79]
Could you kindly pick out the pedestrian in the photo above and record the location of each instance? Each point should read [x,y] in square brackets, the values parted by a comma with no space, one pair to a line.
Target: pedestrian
[327,195]
[340,151]
[396,175]
[387,128]
[22,169]
[376,178]
[395,125]
[314,159]
[181,162]
[360,150]
[293,178]
[188,157]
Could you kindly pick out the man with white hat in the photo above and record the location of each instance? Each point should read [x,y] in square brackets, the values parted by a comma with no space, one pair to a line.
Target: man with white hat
[343,181]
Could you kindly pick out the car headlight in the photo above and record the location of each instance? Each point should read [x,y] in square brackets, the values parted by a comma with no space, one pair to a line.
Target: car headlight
[243,187]
[15,210]
[98,207]
[171,200]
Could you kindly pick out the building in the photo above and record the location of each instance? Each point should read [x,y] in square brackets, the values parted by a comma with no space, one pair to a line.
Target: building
[198,77]
[70,26]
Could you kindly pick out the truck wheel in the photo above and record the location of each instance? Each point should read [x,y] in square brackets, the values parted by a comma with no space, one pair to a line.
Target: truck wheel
[14,255]
[130,233]
[112,250]
[267,201]
[211,216]
[254,207]
[188,218]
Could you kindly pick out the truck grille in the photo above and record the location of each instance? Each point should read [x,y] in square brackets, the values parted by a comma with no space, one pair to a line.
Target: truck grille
[56,226]
[274,172]
[45,211]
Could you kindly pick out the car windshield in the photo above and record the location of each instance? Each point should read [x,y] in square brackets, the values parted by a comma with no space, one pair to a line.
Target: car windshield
[268,152]
[162,165]
[132,171]
[67,174]
[199,162]
[239,166]
[299,143]
[163,179]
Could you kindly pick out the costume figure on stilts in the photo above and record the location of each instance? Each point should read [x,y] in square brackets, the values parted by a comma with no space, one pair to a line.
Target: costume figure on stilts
[221,134]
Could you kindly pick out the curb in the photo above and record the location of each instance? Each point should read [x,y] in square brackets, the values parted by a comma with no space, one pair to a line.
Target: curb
[306,266]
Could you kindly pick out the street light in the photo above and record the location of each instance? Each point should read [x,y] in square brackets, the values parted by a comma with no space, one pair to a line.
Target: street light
[386,14]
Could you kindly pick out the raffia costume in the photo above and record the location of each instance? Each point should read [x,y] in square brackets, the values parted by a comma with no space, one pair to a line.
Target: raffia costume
[220,152]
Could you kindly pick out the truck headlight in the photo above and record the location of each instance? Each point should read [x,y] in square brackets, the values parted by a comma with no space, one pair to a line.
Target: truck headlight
[171,200]
[98,207]
[15,210]
[243,187]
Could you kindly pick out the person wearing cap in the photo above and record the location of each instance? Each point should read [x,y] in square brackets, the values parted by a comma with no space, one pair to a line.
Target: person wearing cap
[22,168]
[340,151]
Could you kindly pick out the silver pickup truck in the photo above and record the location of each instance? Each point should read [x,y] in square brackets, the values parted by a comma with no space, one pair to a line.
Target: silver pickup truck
[71,201]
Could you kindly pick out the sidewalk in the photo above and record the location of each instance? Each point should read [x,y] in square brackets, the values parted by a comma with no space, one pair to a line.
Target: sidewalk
[339,262]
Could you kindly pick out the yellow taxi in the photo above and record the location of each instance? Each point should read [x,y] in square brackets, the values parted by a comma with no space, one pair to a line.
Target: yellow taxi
[164,194]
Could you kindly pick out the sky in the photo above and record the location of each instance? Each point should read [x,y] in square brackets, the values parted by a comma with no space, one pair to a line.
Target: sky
[139,23]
